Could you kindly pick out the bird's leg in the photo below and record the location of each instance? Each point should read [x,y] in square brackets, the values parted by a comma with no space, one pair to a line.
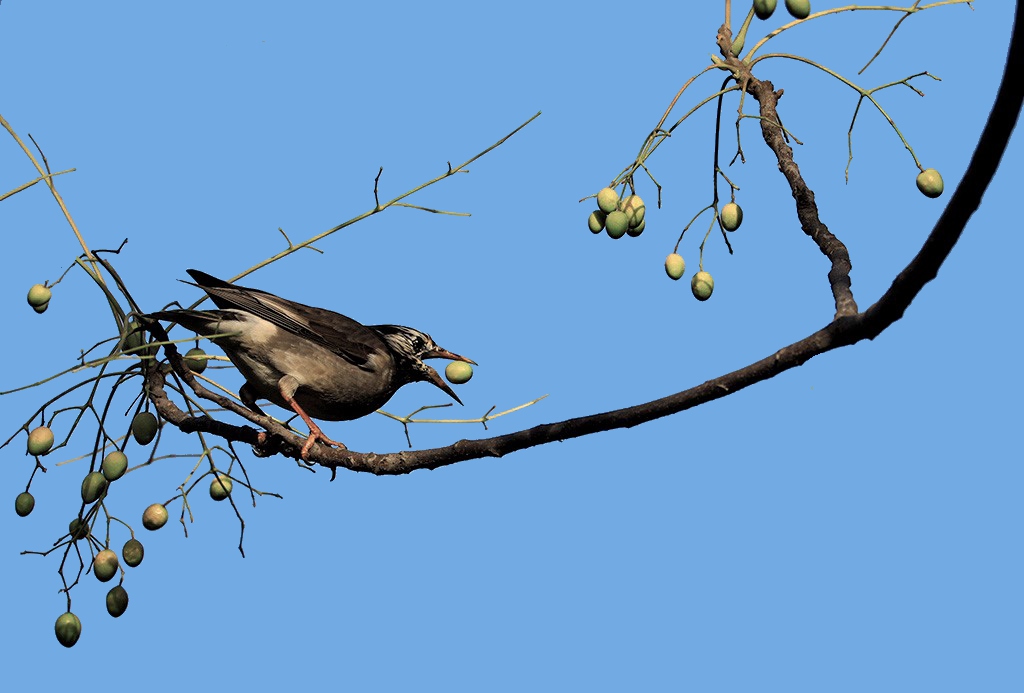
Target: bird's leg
[248,398]
[288,385]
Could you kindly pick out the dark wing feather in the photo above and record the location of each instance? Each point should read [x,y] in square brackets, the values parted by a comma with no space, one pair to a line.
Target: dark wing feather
[335,332]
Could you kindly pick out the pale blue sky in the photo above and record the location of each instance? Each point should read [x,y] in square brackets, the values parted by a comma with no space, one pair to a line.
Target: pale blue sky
[852,525]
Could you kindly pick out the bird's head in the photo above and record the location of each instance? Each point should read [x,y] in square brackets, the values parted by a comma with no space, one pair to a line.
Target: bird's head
[411,347]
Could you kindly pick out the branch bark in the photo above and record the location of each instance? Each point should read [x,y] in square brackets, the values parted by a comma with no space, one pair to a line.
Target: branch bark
[806,208]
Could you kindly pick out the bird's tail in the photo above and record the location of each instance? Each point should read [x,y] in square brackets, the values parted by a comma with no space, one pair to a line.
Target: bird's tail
[202,322]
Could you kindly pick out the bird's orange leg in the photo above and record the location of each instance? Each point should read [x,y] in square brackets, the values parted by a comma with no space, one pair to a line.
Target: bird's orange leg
[315,433]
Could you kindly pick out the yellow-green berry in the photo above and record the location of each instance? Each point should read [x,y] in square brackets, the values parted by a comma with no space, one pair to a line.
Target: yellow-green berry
[732,216]
[616,224]
[596,221]
[675,265]
[458,372]
[104,566]
[40,440]
[799,8]
[702,285]
[38,296]
[154,517]
[220,487]
[93,486]
[635,210]
[608,200]
[764,8]
[195,359]
[635,231]
[114,465]
[930,182]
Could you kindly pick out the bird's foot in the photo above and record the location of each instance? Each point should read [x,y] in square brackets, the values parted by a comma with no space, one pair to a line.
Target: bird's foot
[316,434]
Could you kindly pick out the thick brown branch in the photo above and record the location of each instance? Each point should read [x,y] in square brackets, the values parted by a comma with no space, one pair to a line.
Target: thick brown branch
[806,209]
[170,412]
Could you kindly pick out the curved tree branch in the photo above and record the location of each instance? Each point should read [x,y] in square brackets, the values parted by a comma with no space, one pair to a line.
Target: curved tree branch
[849,326]
[806,208]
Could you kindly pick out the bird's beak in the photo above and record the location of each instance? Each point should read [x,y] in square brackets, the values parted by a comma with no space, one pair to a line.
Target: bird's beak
[435,378]
[440,353]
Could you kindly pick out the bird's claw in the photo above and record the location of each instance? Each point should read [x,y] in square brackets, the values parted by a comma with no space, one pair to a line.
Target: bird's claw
[314,435]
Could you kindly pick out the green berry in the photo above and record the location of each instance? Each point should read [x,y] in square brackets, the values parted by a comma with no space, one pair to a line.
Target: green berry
[635,210]
[117,601]
[40,440]
[132,552]
[732,216]
[764,8]
[799,8]
[24,503]
[38,296]
[134,337]
[195,360]
[68,629]
[458,372]
[78,529]
[930,182]
[596,221]
[608,200]
[637,230]
[144,427]
[617,224]
[220,487]
[675,265]
[104,566]
[93,486]
[702,285]
[114,465]
[154,517]
[42,308]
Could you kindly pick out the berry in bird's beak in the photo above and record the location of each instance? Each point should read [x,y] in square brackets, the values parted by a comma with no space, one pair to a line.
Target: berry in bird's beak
[458,372]
[433,376]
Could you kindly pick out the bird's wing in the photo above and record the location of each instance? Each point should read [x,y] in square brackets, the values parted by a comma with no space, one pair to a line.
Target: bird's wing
[335,332]
[199,321]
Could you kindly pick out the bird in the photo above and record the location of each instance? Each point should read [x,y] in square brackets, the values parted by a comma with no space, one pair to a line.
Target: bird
[318,363]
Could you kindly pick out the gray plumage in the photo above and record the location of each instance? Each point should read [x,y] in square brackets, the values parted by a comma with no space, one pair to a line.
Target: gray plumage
[331,366]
